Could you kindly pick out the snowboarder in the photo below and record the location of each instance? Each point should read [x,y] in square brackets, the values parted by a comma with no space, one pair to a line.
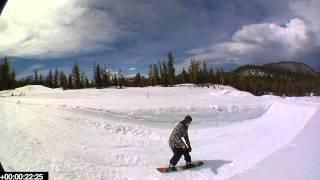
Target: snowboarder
[180,144]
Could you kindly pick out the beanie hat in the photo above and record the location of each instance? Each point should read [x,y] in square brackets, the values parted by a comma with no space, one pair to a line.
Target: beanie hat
[187,119]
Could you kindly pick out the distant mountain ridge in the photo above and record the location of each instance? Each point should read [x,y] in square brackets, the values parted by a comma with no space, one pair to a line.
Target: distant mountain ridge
[295,68]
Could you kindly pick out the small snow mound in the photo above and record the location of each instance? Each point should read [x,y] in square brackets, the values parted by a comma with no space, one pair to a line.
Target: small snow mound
[235,93]
[228,91]
[185,85]
[34,89]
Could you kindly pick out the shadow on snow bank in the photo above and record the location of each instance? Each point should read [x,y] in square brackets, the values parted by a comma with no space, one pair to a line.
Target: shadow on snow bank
[214,165]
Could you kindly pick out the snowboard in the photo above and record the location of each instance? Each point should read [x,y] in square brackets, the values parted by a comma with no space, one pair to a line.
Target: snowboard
[180,168]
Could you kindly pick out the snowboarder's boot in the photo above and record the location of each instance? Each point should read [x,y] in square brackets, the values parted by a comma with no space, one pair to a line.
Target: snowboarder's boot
[172,167]
[189,165]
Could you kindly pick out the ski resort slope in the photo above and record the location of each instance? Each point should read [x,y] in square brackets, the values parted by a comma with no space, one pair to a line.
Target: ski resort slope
[123,133]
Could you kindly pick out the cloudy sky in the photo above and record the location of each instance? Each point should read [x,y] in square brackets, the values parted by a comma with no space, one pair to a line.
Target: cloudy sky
[131,34]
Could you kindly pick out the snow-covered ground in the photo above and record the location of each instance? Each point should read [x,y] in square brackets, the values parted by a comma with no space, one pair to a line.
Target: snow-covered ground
[297,161]
[123,133]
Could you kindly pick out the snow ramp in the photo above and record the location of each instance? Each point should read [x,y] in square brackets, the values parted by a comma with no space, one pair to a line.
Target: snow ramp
[236,148]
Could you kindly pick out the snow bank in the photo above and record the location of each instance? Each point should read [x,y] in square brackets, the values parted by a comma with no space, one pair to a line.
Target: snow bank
[212,106]
[247,143]
[29,90]
[298,160]
[36,89]
[123,134]
[232,93]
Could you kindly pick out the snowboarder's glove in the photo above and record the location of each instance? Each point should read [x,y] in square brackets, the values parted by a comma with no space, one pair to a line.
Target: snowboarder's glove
[182,145]
[190,149]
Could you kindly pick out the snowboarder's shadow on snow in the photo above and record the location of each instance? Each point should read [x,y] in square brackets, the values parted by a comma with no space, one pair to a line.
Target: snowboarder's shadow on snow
[214,165]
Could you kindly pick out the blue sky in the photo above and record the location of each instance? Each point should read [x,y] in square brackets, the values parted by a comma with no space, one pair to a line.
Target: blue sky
[131,34]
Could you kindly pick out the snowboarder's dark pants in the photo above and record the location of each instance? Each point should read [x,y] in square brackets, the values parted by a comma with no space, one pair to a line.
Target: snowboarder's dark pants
[177,153]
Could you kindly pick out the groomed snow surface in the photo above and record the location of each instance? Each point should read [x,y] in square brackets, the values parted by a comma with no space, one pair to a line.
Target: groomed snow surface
[123,133]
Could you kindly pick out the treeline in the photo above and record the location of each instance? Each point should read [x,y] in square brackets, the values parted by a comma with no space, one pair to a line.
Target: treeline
[77,79]
[7,77]
[164,74]
[277,83]
[104,78]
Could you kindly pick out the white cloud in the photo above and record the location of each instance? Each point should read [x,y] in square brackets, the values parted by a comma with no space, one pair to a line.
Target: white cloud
[132,69]
[196,51]
[259,43]
[45,28]
[293,35]
[310,11]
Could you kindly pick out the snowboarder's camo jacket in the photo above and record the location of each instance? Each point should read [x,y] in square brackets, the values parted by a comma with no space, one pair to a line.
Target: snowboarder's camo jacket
[175,138]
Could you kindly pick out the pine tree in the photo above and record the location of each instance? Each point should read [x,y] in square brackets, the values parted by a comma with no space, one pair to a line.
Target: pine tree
[143,81]
[151,77]
[137,80]
[63,80]
[41,80]
[156,75]
[13,82]
[211,76]
[185,78]
[194,71]
[121,79]
[106,76]
[94,74]
[49,81]
[161,73]
[76,76]
[222,76]
[36,76]
[201,76]
[56,78]
[171,69]
[205,73]
[84,79]
[5,74]
[98,77]
[115,80]
[70,82]
[165,75]
[87,83]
